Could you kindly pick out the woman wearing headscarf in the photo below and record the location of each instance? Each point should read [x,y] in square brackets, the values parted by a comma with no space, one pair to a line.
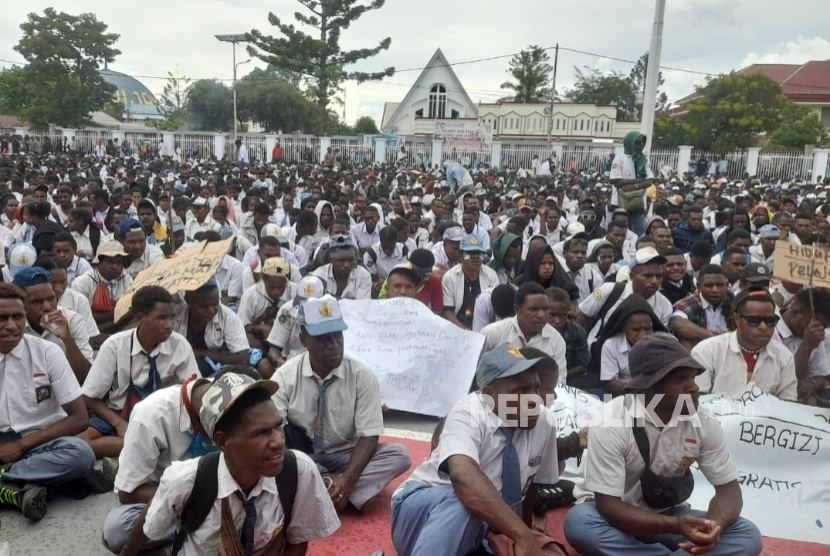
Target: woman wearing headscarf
[542,267]
[507,258]
[631,176]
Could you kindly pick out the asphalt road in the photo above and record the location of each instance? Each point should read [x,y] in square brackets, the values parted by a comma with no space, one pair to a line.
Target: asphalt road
[73,527]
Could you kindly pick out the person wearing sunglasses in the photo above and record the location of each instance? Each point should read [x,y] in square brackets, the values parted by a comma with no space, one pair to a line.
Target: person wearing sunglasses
[588,217]
[748,354]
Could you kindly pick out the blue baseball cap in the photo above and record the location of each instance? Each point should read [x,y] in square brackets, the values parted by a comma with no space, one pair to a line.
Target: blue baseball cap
[502,362]
[32,276]
[769,231]
[130,225]
[471,243]
[321,316]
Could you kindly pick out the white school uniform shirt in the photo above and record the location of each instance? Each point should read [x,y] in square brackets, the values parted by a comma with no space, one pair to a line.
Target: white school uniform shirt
[726,371]
[193,226]
[587,279]
[151,256]
[715,321]
[160,433]
[313,516]
[35,381]
[380,269]
[622,168]
[508,330]
[353,404]
[255,301]
[614,361]
[305,243]
[225,330]
[363,238]
[229,277]
[252,256]
[286,331]
[359,285]
[817,365]
[614,465]
[77,329]
[441,257]
[472,430]
[85,284]
[78,267]
[452,285]
[757,253]
[84,243]
[74,301]
[121,357]
[591,306]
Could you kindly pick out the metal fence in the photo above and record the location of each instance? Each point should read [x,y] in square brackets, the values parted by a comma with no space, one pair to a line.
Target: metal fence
[420,153]
[138,141]
[472,158]
[786,165]
[86,139]
[348,149]
[520,155]
[735,161]
[256,144]
[196,146]
[299,148]
[664,161]
[590,158]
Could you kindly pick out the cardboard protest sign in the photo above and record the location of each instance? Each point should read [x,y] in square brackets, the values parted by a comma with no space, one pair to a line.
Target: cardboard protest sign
[802,264]
[424,364]
[189,270]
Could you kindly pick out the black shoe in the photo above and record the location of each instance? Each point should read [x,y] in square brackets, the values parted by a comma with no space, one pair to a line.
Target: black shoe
[550,497]
[33,502]
[102,479]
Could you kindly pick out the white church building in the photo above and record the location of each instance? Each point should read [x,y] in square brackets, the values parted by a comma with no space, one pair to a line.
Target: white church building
[437,94]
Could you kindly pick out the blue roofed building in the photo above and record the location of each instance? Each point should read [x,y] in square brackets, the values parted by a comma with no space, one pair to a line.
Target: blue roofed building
[139,103]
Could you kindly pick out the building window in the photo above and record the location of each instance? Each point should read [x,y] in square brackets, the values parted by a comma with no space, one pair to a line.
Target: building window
[438,102]
[557,124]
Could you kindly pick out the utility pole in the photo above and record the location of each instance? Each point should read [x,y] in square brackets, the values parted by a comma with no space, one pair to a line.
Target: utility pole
[653,73]
[552,97]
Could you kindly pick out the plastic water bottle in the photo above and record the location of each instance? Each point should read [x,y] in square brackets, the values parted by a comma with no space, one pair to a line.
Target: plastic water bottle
[52,327]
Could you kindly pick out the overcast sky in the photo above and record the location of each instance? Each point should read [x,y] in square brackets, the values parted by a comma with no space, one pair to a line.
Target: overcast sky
[710,36]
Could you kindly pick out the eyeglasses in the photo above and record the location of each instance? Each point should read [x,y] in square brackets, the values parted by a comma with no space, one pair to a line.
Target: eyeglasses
[755,322]
[474,255]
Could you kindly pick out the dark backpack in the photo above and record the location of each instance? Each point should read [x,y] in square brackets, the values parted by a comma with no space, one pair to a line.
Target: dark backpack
[206,486]
[591,377]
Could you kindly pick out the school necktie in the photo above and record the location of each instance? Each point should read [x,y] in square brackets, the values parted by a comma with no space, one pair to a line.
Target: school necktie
[511,479]
[317,441]
[155,380]
[246,537]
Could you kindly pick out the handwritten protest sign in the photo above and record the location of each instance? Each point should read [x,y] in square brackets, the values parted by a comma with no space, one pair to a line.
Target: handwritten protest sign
[464,134]
[424,364]
[782,452]
[796,263]
[189,270]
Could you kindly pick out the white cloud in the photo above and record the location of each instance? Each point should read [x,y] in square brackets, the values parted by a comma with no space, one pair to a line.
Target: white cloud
[799,51]
[710,12]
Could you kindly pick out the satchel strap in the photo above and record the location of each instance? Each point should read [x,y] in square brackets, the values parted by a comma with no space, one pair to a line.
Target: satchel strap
[642,443]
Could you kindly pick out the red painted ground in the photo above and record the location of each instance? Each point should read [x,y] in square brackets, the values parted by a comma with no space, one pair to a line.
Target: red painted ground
[367,533]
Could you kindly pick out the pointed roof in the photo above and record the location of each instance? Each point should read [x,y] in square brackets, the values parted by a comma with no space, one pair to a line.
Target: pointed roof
[437,60]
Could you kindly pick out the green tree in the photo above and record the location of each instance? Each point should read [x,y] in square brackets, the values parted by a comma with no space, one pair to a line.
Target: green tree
[799,126]
[276,104]
[366,125]
[669,132]
[732,110]
[173,97]
[638,83]
[531,75]
[209,105]
[60,83]
[319,57]
[114,109]
[595,87]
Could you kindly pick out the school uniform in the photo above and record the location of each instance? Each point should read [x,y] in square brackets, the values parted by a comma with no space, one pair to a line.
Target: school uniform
[35,382]
[151,256]
[351,410]
[87,283]
[248,279]
[427,516]
[586,279]
[160,433]
[613,467]
[79,266]
[817,364]
[380,266]
[122,360]
[224,333]
[74,301]
[359,285]
[614,358]
[286,331]
[193,226]
[548,340]
[727,373]
[229,278]
[313,515]
[77,329]
[255,301]
[591,306]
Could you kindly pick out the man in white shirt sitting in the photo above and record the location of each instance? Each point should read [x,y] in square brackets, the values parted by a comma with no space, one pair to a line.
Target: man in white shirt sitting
[383,256]
[140,254]
[332,404]
[747,355]
[251,511]
[41,411]
[575,251]
[660,440]
[345,280]
[484,471]
[201,221]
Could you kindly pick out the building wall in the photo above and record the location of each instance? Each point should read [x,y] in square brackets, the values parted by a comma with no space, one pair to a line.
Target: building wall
[571,121]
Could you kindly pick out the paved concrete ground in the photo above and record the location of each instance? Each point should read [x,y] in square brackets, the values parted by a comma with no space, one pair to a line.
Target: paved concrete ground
[73,527]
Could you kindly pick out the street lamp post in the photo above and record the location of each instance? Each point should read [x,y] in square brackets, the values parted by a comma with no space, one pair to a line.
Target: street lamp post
[233,39]
[653,72]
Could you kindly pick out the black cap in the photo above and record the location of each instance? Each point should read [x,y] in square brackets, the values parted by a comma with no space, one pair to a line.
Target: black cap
[654,357]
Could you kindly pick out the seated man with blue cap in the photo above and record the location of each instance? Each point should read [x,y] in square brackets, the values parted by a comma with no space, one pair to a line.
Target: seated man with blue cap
[497,444]
[332,409]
